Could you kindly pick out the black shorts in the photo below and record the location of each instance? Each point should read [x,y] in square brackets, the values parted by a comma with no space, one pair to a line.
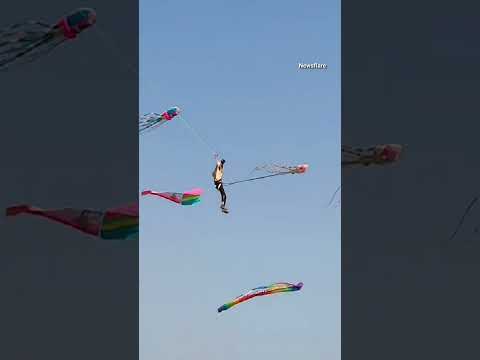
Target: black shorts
[218,184]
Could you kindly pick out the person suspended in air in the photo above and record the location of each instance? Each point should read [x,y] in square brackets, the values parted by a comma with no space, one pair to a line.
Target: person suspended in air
[218,182]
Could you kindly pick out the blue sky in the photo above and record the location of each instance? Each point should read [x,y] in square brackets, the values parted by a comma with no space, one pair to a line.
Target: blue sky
[233,69]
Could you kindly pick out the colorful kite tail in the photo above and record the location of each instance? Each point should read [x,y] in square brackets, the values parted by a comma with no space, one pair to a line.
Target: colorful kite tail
[192,197]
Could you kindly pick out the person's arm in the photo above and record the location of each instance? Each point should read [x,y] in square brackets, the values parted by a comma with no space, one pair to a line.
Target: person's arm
[214,173]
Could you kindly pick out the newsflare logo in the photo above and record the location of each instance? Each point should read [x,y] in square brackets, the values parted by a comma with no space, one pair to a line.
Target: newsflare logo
[314,66]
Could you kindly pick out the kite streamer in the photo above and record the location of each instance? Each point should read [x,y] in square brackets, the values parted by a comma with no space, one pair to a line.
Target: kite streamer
[261,291]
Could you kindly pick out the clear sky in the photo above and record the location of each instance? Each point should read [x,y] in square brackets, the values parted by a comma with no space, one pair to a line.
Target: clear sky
[233,69]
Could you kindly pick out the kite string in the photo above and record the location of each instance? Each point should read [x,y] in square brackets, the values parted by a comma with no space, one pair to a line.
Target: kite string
[334,194]
[148,82]
[106,39]
[467,210]
[255,178]
[192,129]
[113,47]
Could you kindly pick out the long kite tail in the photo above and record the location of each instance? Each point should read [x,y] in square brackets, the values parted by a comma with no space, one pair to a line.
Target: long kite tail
[26,52]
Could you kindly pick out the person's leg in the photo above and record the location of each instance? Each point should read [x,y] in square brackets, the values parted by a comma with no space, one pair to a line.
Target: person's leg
[218,186]
[224,196]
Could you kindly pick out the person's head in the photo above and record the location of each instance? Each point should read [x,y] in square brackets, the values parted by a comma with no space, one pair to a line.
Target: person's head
[222,161]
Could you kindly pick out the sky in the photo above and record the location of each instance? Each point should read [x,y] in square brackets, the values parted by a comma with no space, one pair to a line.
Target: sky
[233,70]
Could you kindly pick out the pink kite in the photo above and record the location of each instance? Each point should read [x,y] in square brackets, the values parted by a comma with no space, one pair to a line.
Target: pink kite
[187,198]
[117,223]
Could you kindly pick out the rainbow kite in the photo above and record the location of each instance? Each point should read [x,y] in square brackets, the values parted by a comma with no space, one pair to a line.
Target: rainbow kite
[112,224]
[187,198]
[261,291]
[120,223]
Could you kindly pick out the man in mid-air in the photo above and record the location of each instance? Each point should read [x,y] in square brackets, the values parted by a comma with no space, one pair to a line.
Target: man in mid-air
[218,181]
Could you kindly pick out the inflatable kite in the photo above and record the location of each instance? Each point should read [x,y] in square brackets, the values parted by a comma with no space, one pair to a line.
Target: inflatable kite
[112,224]
[380,155]
[261,291]
[274,170]
[187,198]
[282,169]
[26,42]
[376,155]
[153,120]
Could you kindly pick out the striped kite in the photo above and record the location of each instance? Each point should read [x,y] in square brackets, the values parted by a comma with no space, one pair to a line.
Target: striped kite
[261,291]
